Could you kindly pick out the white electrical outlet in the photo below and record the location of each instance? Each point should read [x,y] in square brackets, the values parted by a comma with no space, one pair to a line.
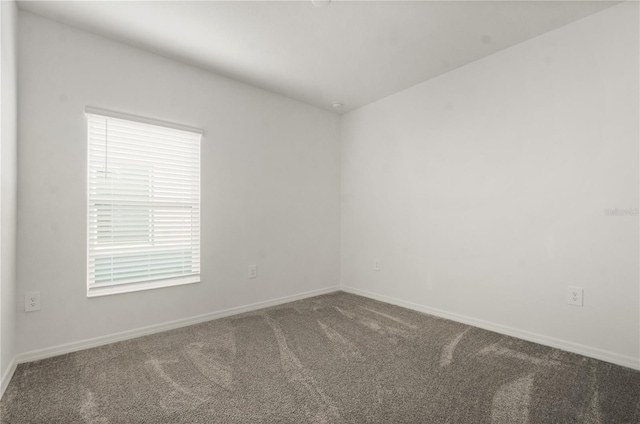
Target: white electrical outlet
[575,295]
[32,301]
[253,271]
[376,265]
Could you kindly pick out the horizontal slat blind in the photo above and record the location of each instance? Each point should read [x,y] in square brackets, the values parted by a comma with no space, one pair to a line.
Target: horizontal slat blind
[144,203]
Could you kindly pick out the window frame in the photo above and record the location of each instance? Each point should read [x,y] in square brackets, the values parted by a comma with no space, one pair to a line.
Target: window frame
[128,287]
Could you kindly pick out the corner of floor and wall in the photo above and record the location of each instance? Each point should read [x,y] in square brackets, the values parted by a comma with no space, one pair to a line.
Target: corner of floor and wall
[275,202]
[482,195]
[404,200]
[8,187]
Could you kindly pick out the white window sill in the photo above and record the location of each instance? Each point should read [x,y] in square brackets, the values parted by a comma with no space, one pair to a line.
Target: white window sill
[96,291]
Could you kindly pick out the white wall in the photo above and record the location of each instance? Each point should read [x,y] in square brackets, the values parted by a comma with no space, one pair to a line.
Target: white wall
[8,164]
[270,192]
[483,190]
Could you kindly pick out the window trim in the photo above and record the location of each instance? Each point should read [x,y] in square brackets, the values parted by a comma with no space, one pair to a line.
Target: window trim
[141,286]
[89,110]
[97,291]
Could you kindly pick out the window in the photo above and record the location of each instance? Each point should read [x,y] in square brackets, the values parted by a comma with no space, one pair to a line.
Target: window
[143,204]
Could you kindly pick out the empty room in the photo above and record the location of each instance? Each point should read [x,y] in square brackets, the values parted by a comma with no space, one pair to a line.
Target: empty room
[320,211]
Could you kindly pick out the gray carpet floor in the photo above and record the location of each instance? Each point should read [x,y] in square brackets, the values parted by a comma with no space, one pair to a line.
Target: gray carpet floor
[337,358]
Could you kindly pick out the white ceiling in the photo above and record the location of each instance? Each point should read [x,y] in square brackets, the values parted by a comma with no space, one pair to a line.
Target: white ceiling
[350,52]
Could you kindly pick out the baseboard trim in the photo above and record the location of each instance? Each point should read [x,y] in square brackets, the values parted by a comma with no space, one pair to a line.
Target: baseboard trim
[8,374]
[49,352]
[603,355]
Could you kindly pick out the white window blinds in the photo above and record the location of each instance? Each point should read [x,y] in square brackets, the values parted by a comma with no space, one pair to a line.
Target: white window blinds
[143,205]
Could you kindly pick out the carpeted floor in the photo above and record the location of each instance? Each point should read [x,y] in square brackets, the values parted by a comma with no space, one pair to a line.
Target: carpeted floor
[336,358]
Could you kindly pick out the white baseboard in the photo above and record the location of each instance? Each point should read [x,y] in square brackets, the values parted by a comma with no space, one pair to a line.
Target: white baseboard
[36,355]
[603,355]
[6,377]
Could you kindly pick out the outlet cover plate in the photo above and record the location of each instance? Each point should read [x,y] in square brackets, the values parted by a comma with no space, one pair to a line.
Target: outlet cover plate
[32,301]
[575,296]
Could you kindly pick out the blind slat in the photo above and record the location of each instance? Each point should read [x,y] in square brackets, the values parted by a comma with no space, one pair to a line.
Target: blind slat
[179,158]
[115,249]
[133,143]
[99,267]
